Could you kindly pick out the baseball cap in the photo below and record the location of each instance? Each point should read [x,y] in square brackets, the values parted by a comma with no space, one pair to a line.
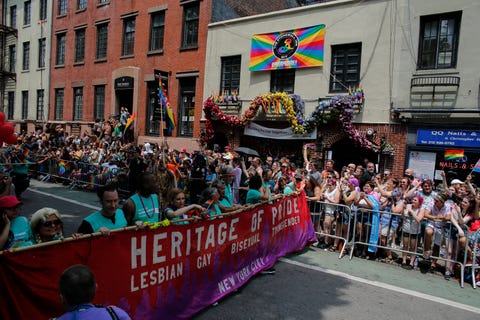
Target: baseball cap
[9,202]
[298,176]
[456,181]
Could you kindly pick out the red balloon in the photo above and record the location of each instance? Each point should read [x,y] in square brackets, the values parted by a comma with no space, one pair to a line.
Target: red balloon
[2,118]
[6,130]
[12,139]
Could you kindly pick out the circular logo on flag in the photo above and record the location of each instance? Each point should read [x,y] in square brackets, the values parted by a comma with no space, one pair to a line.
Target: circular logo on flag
[285,45]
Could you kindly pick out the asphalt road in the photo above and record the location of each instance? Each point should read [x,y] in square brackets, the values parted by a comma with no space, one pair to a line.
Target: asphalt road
[312,284]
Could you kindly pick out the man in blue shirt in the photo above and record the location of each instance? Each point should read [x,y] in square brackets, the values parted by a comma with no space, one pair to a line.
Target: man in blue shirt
[77,289]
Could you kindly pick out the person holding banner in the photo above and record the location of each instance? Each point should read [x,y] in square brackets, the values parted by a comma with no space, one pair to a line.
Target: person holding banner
[77,287]
[143,206]
[176,209]
[15,230]
[47,225]
[110,217]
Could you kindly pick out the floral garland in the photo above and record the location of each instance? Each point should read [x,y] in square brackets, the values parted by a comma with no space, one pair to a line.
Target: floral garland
[338,108]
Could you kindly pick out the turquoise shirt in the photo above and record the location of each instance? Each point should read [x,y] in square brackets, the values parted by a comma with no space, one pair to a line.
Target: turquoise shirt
[253,196]
[20,234]
[289,188]
[97,220]
[229,193]
[146,209]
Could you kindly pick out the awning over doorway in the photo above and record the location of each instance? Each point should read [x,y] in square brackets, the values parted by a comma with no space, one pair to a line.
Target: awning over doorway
[256,130]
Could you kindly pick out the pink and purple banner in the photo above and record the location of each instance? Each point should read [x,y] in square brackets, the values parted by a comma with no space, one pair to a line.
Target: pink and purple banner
[299,48]
[166,273]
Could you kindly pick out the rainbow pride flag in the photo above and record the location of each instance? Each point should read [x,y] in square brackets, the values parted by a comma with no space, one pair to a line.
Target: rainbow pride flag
[62,167]
[170,120]
[298,48]
[453,154]
[130,123]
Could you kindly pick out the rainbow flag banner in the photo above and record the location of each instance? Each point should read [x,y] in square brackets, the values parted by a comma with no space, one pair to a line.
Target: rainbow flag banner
[453,154]
[292,49]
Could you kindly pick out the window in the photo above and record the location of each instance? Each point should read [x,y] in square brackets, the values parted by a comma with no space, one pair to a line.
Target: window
[128,36]
[59,94]
[62,7]
[61,40]
[26,56]
[81,4]
[12,58]
[99,103]
[43,10]
[103,1]
[345,68]
[24,104]
[187,107]
[77,103]
[282,80]
[40,104]
[11,105]
[102,39]
[80,45]
[190,25]
[439,36]
[230,81]
[27,13]
[13,16]
[42,47]
[157,30]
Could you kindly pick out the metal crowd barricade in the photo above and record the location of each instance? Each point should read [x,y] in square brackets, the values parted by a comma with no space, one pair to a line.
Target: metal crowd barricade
[79,174]
[474,241]
[448,246]
[340,225]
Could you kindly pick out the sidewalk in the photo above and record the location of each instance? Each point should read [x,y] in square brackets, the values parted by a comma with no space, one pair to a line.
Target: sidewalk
[390,274]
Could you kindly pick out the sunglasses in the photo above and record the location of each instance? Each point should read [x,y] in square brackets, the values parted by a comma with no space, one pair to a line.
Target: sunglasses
[52,222]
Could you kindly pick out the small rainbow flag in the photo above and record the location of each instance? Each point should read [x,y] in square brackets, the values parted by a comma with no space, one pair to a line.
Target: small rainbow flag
[130,123]
[453,154]
[62,167]
[162,94]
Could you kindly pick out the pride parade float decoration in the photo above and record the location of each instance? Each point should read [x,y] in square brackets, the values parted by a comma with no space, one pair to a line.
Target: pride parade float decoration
[164,271]
[339,108]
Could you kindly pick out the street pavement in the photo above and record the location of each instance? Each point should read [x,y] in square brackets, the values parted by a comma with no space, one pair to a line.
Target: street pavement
[312,284]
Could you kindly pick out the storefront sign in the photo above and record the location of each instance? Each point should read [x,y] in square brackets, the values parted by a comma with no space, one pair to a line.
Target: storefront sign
[257,130]
[449,138]
[124,83]
[169,273]
[299,48]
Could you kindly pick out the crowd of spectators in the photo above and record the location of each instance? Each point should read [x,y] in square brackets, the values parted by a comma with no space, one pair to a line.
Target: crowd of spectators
[162,184]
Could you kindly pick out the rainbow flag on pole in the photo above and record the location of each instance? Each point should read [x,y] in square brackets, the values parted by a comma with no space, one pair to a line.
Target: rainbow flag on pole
[130,123]
[453,154]
[170,120]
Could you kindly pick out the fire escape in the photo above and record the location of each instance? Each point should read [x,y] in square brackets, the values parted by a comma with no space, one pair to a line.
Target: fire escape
[8,37]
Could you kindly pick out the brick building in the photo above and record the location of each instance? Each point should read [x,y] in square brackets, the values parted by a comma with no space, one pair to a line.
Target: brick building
[104,54]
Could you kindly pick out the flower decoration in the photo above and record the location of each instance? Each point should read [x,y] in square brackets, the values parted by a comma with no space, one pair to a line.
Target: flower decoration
[156,225]
[339,108]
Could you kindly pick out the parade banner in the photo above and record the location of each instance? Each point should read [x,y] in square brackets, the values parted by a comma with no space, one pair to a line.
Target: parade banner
[166,273]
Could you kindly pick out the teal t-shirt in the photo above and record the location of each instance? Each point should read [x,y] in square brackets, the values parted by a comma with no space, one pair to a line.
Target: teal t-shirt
[97,220]
[146,209]
[20,234]
[253,196]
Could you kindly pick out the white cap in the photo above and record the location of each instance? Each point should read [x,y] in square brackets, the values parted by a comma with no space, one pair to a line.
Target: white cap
[456,181]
